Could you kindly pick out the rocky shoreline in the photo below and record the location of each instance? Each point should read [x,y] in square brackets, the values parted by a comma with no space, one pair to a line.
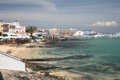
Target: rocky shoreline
[21,75]
[31,73]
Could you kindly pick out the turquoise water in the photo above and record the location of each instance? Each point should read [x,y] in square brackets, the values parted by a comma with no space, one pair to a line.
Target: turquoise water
[96,56]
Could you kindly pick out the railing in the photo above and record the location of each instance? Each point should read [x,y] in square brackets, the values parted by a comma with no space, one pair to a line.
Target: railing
[8,55]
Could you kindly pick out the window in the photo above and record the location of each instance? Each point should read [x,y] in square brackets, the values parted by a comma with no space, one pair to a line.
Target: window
[12,27]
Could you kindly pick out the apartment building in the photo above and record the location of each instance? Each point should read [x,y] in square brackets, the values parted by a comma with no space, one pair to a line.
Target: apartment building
[13,27]
[63,31]
[1,28]
[42,30]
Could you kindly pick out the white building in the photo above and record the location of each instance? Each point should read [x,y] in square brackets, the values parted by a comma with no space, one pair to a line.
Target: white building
[79,33]
[1,28]
[13,27]
[85,33]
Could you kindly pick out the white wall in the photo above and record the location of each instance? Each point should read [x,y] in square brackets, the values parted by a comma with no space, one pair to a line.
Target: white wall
[79,33]
[18,28]
[11,63]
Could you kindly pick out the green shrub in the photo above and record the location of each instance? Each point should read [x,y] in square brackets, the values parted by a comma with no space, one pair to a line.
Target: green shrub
[4,35]
[0,33]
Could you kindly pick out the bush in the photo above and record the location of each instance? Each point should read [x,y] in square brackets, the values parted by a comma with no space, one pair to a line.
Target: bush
[0,33]
[4,35]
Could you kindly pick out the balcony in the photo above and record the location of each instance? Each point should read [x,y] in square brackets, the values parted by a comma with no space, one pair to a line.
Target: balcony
[5,30]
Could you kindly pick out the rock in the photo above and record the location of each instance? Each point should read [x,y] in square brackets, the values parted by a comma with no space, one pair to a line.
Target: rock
[20,75]
[9,51]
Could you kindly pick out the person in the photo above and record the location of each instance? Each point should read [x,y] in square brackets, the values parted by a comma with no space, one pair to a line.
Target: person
[18,41]
[6,40]
[11,40]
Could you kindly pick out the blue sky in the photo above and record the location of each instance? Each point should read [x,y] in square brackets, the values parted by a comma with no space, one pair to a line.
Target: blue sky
[98,15]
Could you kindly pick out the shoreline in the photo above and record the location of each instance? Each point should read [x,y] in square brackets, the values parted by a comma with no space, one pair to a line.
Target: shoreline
[65,74]
[21,75]
[24,52]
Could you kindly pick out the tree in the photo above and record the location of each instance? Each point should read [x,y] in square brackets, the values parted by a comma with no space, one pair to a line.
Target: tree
[31,30]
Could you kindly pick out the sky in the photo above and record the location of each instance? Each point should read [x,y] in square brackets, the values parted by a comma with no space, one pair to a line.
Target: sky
[98,15]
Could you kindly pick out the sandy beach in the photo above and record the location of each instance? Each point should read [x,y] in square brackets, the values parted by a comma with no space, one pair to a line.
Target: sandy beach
[15,51]
[20,51]
[23,52]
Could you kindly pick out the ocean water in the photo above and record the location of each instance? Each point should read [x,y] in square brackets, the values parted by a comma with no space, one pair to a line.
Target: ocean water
[88,58]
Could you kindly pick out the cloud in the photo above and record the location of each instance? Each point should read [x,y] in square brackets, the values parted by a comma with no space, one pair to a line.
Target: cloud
[40,16]
[105,24]
[44,3]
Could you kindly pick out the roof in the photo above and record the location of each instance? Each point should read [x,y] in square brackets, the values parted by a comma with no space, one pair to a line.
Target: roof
[5,24]
[23,25]
[21,32]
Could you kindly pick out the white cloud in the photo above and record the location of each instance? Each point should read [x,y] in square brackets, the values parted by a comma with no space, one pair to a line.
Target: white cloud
[44,3]
[105,24]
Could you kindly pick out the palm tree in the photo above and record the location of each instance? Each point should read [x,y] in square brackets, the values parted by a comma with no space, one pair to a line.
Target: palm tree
[31,30]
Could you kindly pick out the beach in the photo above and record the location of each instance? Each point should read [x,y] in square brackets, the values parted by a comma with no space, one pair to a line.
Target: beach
[21,51]
[84,59]
[25,52]
[17,51]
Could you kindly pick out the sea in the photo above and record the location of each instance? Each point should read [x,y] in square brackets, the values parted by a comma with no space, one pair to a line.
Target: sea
[83,58]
